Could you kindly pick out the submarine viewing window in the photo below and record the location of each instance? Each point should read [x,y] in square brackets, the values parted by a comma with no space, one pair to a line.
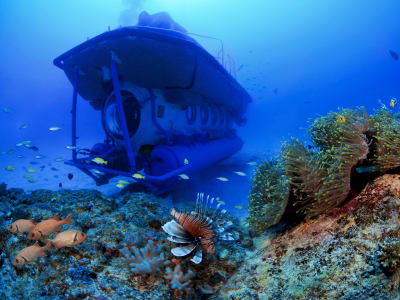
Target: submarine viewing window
[221,116]
[191,113]
[110,117]
[214,115]
[204,114]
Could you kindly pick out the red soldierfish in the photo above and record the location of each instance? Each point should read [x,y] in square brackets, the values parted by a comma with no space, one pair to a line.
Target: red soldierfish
[68,238]
[20,226]
[28,254]
[46,227]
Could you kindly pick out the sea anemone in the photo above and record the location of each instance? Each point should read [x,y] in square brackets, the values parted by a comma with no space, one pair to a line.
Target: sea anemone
[387,140]
[320,180]
[198,230]
[268,195]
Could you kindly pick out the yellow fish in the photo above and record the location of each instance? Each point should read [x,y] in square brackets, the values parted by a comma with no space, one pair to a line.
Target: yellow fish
[183,176]
[27,142]
[138,176]
[240,173]
[9,168]
[251,163]
[27,176]
[186,161]
[70,147]
[23,126]
[120,185]
[54,128]
[31,170]
[100,161]
[340,119]
[123,181]
[392,103]
[220,201]
[58,159]
[222,178]
[238,206]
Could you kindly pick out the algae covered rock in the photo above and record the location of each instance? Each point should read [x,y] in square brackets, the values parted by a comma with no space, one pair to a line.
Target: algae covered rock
[351,253]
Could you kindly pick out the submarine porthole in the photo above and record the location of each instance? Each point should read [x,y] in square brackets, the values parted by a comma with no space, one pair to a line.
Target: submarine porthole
[204,114]
[111,120]
[214,115]
[191,113]
[221,116]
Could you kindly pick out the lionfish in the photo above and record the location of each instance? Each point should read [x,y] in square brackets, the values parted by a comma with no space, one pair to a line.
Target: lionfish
[199,229]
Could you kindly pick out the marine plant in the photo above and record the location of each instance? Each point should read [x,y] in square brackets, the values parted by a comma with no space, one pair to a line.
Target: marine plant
[147,260]
[386,140]
[198,230]
[268,195]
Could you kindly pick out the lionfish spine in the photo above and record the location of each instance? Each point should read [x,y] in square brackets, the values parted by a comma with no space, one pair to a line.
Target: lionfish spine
[197,227]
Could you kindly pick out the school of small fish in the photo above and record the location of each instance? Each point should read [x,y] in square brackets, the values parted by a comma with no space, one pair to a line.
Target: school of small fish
[42,231]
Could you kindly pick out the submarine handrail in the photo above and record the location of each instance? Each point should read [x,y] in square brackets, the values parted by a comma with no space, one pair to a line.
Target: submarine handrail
[212,38]
[73,111]
[121,113]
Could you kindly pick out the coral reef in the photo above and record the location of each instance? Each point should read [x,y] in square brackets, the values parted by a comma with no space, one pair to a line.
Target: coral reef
[97,269]
[350,253]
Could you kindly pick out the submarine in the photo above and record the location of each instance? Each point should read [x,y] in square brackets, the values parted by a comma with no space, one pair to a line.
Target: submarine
[168,107]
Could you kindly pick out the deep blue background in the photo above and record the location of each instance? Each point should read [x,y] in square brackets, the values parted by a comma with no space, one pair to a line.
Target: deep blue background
[319,55]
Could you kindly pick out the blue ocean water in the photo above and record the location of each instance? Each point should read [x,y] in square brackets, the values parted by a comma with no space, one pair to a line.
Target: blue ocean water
[295,58]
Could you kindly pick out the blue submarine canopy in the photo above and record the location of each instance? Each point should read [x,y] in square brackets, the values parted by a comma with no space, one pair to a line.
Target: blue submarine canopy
[157,53]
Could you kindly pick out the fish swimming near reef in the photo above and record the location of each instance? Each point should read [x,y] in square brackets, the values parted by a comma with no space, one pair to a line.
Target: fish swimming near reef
[198,230]
[34,148]
[184,176]
[394,55]
[67,238]
[46,227]
[28,254]
[138,176]
[340,119]
[392,103]
[100,161]
[222,179]
[20,226]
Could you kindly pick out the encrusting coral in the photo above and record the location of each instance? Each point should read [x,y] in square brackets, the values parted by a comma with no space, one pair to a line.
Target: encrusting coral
[147,260]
